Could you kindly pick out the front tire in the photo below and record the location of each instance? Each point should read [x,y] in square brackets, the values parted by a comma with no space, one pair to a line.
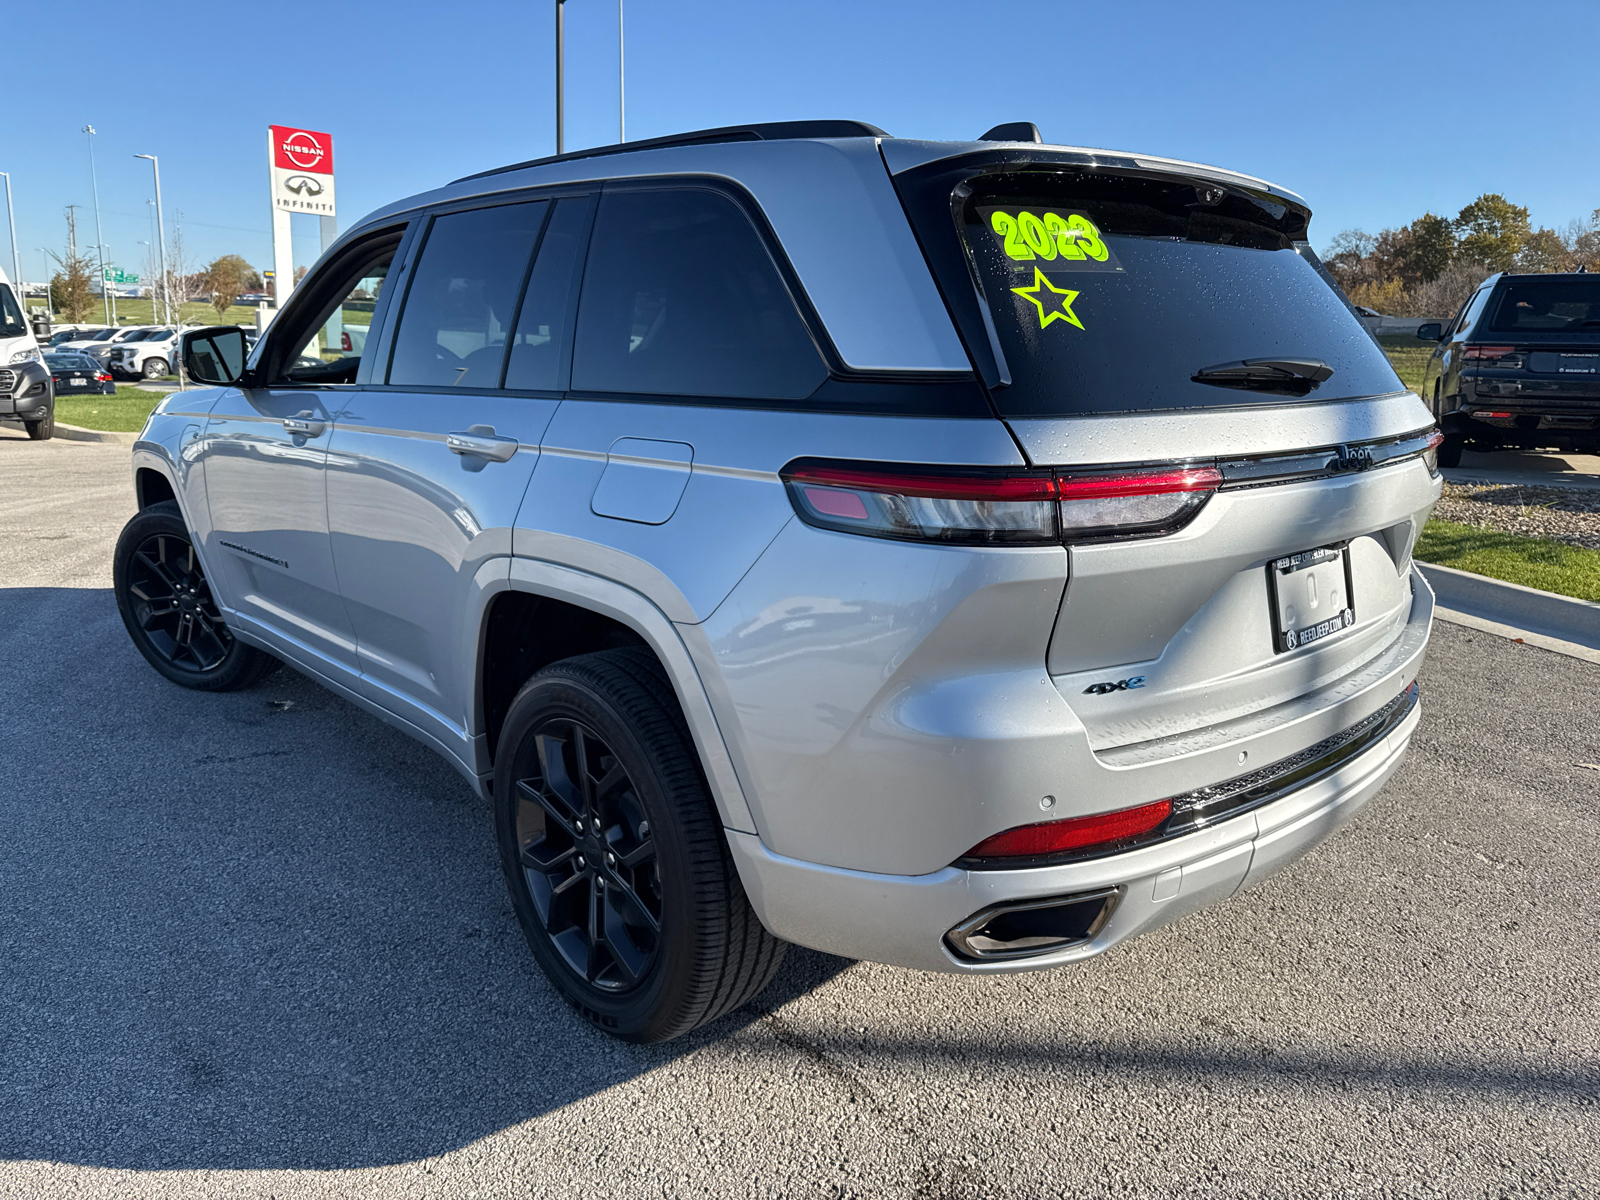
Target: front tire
[44,428]
[614,855]
[154,368]
[169,611]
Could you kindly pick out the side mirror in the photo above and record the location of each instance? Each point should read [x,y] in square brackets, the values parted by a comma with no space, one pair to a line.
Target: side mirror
[215,354]
[1431,332]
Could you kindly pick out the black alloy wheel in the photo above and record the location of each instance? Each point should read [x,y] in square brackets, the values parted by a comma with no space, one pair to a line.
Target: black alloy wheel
[614,855]
[168,608]
[588,858]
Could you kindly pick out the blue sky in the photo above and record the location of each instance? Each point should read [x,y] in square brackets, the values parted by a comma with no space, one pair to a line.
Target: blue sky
[1375,112]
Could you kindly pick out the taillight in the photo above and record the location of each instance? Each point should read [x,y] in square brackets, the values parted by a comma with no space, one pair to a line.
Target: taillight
[1075,833]
[1493,416]
[1133,502]
[1486,352]
[103,378]
[1430,453]
[344,342]
[984,507]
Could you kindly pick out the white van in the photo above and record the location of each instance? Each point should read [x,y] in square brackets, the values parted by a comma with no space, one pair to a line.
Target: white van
[26,393]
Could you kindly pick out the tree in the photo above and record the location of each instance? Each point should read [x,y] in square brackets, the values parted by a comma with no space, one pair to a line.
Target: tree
[1433,247]
[226,277]
[72,287]
[1492,231]
[1545,250]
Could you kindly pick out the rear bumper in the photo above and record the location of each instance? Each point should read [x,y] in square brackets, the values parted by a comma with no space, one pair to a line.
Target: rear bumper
[903,919]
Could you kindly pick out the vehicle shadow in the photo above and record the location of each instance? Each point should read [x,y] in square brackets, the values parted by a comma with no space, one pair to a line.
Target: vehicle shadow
[259,929]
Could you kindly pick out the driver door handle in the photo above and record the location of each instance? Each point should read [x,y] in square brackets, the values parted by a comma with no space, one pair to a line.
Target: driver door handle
[481,441]
[305,424]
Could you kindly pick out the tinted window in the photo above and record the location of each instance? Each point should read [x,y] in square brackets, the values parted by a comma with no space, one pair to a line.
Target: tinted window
[681,298]
[541,325]
[1548,306]
[11,322]
[1109,294]
[463,296]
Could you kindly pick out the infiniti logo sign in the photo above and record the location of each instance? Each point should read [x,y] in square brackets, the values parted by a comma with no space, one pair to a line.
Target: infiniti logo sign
[303,184]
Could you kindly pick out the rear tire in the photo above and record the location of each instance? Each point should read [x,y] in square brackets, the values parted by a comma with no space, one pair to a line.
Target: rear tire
[44,428]
[614,855]
[1450,450]
[167,607]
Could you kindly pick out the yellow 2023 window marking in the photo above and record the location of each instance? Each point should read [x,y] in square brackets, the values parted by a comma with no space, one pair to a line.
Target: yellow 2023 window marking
[1036,294]
[1028,236]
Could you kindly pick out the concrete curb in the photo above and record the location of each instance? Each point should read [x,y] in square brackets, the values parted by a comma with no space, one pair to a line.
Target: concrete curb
[1514,608]
[74,433]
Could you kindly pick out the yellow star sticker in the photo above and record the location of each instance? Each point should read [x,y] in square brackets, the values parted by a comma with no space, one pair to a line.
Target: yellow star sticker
[1033,296]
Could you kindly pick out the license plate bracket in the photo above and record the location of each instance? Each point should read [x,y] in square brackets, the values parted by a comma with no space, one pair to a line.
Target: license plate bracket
[1311,595]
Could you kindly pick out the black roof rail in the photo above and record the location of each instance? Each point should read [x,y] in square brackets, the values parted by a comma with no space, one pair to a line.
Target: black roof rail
[770,131]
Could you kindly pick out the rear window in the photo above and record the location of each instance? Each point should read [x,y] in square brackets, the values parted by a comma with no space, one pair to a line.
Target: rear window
[1548,306]
[1109,293]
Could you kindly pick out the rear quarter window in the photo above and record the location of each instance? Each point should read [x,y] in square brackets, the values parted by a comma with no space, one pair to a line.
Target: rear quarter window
[681,298]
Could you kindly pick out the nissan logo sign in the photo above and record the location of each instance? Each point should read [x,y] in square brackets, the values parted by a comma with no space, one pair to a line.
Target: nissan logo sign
[303,150]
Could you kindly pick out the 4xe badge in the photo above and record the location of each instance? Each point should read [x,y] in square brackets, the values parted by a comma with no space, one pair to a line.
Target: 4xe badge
[1121,685]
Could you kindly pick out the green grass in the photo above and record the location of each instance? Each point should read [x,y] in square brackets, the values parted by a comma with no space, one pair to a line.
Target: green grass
[123,413]
[1409,358]
[142,312]
[1532,562]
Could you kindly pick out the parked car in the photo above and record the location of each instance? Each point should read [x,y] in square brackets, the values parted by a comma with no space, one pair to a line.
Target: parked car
[25,391]
[1519,366]
[79,374]
[100,345]
[960,556]
[62,334]
[353,339]
[148,355]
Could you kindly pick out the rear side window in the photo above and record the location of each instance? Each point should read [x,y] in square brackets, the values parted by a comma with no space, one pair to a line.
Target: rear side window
[1568,306]
[462,300]
[1108,294]
[681,298]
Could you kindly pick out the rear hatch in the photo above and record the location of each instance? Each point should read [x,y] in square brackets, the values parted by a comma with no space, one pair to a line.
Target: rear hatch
[1133,320]
[1537,351]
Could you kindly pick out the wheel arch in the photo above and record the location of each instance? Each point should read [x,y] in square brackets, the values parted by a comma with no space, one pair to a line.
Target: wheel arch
[587,612]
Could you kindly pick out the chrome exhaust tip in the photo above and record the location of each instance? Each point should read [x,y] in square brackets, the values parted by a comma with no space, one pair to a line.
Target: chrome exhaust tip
[1029,928]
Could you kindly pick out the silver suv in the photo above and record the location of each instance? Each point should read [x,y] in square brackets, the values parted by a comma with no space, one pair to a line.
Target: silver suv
[962,556]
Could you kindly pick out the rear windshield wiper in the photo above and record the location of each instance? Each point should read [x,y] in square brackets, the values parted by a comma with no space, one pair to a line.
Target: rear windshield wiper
[1291,376]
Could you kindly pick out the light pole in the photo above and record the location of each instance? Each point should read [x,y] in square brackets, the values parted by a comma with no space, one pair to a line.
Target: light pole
[94,183]
[561,35]
[11,219]
[161,240]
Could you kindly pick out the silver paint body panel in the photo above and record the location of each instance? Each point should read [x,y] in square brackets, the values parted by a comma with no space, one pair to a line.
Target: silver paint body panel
[865,710]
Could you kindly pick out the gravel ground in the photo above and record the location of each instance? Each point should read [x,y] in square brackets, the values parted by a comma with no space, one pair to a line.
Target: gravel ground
[257,945]
[1562,514]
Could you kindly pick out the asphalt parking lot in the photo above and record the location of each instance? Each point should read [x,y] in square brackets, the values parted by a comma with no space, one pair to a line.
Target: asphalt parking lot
[258,945]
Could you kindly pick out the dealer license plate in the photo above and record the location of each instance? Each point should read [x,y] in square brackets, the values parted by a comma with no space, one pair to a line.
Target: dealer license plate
[1310,597]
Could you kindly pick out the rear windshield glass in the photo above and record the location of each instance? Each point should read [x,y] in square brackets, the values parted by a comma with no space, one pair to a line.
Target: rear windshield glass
[1548,306]
[1109,294]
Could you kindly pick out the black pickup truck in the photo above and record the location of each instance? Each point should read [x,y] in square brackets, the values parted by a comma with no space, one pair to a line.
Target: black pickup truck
[1519,366]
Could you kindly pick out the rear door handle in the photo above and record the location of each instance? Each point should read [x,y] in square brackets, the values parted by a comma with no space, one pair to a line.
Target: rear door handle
[305,424]
[481,441]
